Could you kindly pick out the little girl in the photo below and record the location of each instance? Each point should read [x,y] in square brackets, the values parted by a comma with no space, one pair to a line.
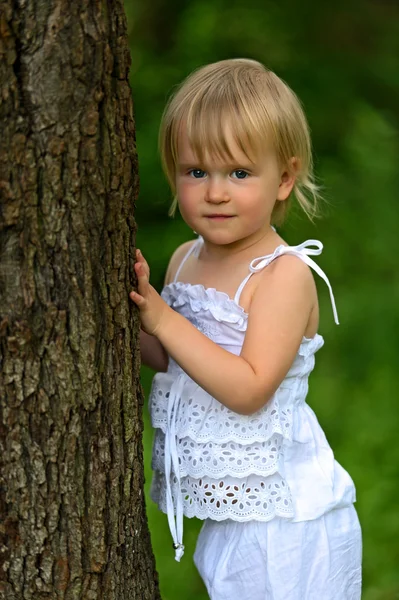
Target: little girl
[233,336]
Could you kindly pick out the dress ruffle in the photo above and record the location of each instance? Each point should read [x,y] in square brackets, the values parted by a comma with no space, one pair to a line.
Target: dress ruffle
[222,308]
[218,460]
[250,498]
[203,419]
[309,346]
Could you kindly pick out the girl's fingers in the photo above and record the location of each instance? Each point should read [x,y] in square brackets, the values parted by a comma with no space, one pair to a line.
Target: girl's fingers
[142,278]
[143,275]
[138,267]
[137,299]
[140,258]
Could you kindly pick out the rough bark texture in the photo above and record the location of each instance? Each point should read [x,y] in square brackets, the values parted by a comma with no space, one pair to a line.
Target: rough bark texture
[72,511]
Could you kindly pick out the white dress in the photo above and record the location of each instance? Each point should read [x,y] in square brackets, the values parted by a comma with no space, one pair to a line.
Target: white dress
[278,509]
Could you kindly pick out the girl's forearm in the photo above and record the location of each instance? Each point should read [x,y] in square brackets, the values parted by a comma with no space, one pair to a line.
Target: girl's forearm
[153,354]
[225,376]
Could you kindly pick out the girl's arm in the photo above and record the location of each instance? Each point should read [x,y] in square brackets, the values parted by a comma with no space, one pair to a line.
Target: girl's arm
[278,316]
[153,354]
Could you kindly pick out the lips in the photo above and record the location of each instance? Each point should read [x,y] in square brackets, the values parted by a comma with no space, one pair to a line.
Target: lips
[219,216]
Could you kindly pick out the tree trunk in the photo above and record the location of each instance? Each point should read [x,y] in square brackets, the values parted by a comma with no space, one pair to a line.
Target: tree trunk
[73,522]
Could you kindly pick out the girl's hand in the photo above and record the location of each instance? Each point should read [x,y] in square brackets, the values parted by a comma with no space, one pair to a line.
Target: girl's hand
[152,308]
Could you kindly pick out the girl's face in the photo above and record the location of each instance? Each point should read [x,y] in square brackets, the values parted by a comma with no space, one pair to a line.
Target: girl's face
[226,201]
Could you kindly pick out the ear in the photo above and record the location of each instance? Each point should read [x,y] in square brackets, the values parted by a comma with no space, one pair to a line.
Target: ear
[288,178]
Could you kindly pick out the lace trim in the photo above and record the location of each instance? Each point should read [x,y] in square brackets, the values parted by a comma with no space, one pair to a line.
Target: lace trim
[218,303]
[219,460]
[259,498]
[204,419]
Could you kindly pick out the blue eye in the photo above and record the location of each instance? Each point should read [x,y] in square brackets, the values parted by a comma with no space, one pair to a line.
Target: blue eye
[240,174]
[197,173]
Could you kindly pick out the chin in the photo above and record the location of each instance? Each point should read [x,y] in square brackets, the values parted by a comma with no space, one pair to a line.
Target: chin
[220,237]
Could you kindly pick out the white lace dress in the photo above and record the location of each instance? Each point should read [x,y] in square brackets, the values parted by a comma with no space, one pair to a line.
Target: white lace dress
[212,463]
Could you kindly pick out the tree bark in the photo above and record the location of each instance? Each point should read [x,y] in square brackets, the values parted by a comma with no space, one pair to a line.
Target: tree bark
[73,522]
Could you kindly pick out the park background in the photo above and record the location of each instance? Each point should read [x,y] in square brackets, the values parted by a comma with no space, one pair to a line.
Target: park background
[341,59]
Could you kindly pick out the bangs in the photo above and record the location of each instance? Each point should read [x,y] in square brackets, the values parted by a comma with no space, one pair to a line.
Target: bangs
[216,121]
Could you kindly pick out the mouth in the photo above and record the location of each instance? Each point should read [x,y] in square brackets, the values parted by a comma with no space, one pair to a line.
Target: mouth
[219,216]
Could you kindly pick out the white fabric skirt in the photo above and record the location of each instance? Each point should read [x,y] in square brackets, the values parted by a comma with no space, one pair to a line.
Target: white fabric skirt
[282,560]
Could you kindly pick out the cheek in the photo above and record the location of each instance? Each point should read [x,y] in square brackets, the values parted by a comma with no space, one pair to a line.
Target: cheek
[255,203]
[181,186]
[251,198]
[187,193]
[187,198]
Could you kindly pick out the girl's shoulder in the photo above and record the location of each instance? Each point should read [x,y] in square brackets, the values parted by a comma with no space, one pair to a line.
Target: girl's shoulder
[175,260]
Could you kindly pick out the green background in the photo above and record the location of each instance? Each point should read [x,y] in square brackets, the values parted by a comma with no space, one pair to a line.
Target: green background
[341,59]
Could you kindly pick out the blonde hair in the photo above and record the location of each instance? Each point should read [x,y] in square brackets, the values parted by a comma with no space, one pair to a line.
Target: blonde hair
[257,107]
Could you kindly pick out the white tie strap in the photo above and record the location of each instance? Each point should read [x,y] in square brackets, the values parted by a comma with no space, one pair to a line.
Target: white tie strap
[303,251]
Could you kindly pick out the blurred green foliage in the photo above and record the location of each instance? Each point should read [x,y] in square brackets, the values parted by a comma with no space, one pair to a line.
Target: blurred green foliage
[341,58]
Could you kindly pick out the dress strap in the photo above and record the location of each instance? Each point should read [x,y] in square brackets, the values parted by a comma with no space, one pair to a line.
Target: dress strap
[302,251]
[191,250]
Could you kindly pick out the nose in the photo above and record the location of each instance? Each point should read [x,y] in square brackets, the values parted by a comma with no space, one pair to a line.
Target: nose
[216,191]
